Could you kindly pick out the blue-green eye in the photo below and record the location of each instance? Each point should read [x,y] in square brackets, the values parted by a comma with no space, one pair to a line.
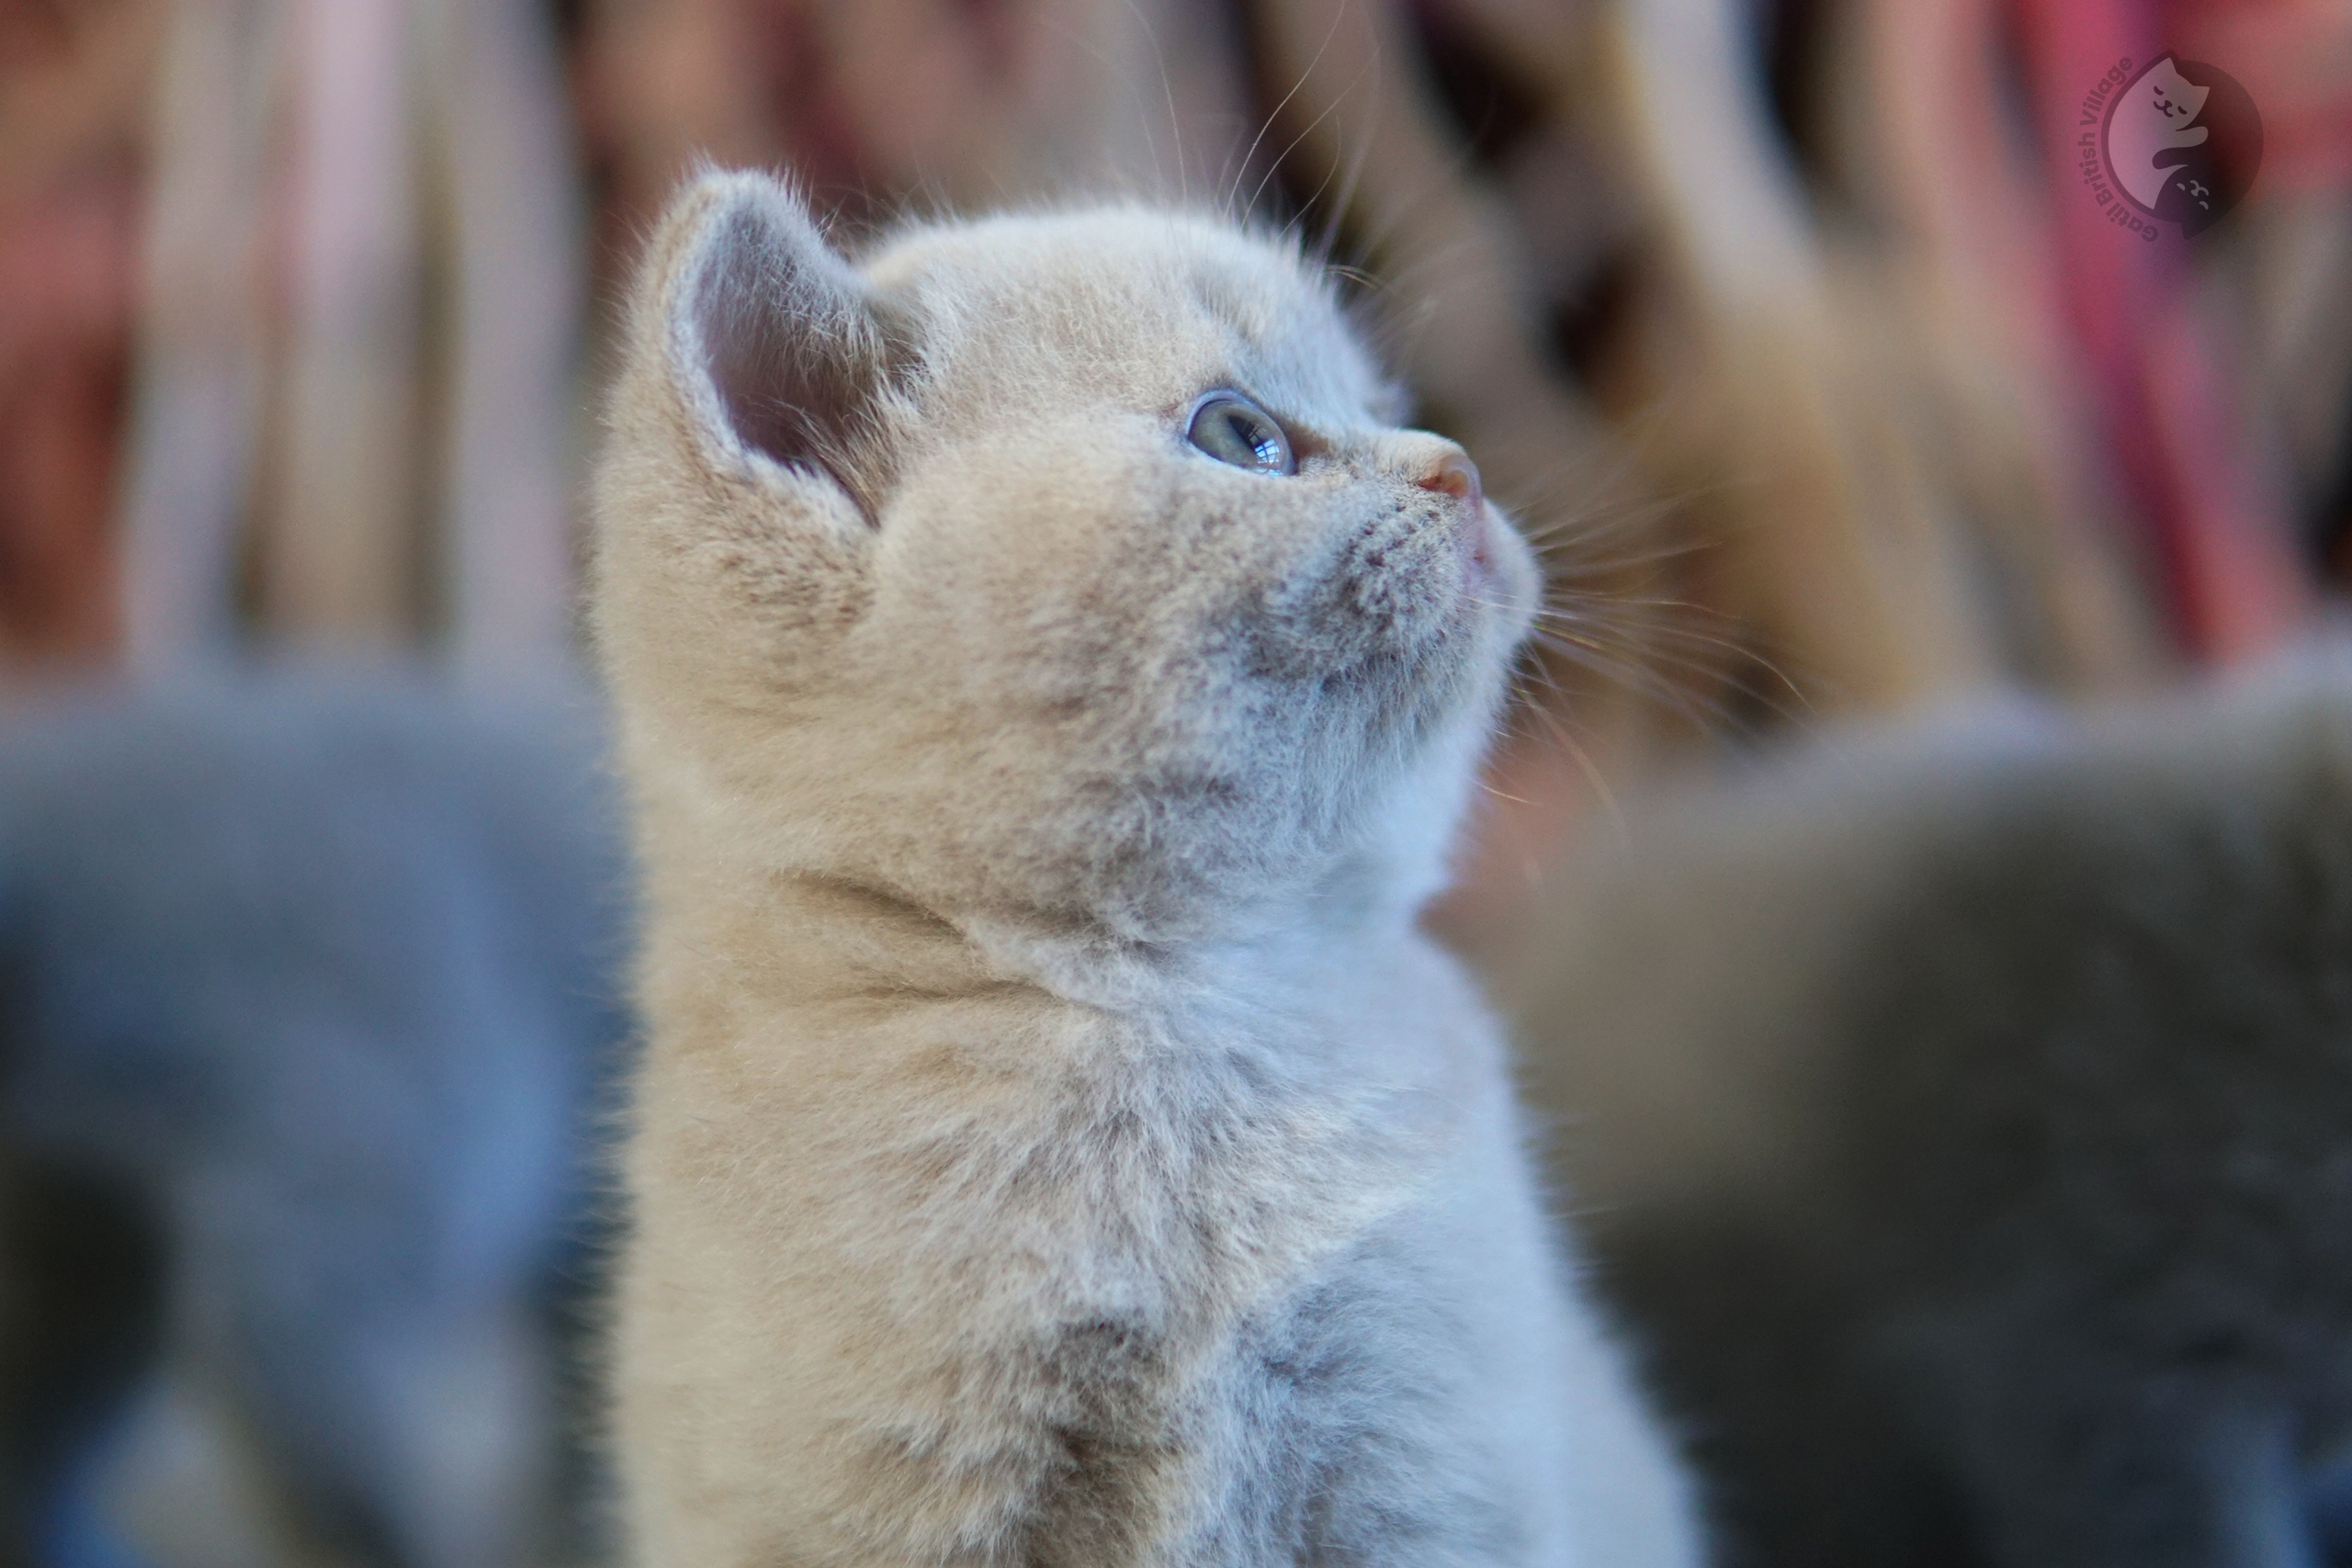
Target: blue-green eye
[1232,429]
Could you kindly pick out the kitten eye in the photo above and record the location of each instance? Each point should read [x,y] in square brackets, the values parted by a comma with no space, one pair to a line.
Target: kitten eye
[1232,429]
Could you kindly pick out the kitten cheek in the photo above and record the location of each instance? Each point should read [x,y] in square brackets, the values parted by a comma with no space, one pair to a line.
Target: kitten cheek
[1470,535]
[1475,537]
[1503,571]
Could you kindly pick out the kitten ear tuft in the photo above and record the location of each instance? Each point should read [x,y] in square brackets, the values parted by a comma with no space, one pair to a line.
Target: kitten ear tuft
[776,326]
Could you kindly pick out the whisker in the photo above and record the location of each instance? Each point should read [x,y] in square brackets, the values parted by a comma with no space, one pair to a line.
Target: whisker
[1267,122]
[1551,714]
[1167,92]
[1646,676]
[1671,632]
[1329,110]
[1071,34]
[1647,670]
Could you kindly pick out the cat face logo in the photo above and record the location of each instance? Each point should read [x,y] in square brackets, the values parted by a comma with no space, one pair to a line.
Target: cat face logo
[2179,143]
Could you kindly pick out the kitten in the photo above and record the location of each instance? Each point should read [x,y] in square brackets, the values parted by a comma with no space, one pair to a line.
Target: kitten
[1055,1143]
[303,989]
[1969,1116]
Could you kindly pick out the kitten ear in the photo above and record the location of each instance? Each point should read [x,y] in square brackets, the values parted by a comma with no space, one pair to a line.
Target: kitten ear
[773,336]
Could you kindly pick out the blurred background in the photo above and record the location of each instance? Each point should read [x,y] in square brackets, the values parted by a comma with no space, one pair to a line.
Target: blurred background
[1788,327]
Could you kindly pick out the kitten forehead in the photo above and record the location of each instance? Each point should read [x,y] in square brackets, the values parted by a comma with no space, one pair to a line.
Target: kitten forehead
[1178,303]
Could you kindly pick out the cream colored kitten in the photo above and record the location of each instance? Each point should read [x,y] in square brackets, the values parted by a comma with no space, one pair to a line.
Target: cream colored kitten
[1048,686]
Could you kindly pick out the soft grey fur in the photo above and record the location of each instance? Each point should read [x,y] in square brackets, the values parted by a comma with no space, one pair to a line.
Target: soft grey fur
[1967,1115]
[1056,1144]
[318,972]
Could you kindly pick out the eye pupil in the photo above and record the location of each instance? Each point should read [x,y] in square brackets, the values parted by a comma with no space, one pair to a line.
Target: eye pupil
[1234,430]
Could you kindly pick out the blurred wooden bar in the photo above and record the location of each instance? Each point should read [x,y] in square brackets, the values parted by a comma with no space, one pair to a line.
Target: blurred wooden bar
[203,332]
[1783,326]
[505,168]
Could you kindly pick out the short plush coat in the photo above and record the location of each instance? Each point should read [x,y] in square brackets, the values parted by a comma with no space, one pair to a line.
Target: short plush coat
[1056,1144]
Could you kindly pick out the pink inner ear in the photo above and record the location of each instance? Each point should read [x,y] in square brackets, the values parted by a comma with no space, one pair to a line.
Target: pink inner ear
[787,339]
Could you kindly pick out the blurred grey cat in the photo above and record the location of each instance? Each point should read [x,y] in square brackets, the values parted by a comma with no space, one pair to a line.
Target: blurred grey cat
[303,987]
[1967,1115]
[1048,685]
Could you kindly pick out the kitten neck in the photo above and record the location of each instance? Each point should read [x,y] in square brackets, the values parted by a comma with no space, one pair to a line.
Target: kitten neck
[817,932]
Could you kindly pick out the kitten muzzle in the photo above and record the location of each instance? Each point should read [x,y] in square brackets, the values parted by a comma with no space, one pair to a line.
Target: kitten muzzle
[1457,476]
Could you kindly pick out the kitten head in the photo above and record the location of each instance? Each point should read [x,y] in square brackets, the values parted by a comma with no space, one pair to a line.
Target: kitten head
[1057,569]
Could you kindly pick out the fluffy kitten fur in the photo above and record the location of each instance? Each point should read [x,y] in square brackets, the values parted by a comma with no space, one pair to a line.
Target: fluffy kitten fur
[1055,1144]
[1969,1119]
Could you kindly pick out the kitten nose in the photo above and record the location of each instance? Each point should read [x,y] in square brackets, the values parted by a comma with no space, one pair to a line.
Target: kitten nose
[1457,476]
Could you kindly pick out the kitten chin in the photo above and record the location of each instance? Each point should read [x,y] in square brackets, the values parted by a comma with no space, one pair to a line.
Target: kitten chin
[1055,1143]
